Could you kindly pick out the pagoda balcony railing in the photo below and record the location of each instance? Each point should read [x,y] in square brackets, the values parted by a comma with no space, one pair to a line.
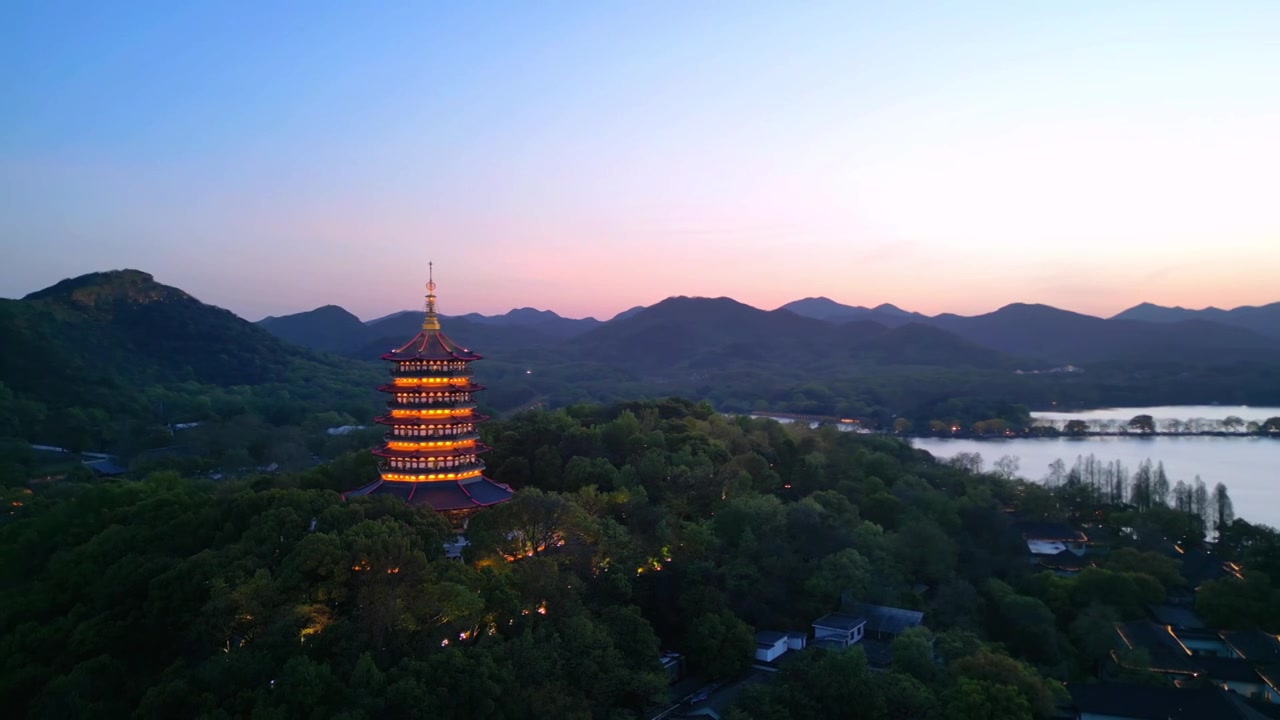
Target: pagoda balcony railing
[443,437]
[408,468]
[408,398]
[435,405]
[423,372]
[432,387]
[429,432]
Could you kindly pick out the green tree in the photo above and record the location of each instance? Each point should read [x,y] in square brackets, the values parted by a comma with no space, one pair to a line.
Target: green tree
[720,645]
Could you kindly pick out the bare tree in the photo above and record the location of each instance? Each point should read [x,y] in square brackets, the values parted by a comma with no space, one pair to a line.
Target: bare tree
[1200,501]
[1223,512]
[1160,486]
[969,462]
[1007,466]
[1057,473]
[1140,489]
[1182,497]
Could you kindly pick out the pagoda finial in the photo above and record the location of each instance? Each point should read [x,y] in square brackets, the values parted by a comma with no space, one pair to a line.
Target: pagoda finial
[431,321]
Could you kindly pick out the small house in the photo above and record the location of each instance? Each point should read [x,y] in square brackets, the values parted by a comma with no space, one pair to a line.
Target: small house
[838,629]
[771,645]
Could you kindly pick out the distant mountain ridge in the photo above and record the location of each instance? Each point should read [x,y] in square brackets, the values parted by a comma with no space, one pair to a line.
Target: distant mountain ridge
[328,328]
[695,332]
[823,308]
[1264,319]
[333,329]
[726,328]
[95,341]
[1050,334]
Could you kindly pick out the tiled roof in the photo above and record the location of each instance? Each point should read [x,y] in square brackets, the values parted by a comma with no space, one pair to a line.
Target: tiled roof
[431,345]
[440,495]
[1141,702]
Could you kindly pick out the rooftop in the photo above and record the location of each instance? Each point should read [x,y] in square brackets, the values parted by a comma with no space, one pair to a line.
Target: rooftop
[891,620]
[1141,702]
[440,494]
[839,621]
[1046,547]
[1178,617]
[1254,645]
[769,637]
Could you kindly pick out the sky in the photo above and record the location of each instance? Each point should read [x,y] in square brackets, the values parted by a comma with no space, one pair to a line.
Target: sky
[587,157]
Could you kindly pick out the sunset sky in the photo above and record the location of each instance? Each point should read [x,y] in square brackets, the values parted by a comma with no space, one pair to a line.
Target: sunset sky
[587,157]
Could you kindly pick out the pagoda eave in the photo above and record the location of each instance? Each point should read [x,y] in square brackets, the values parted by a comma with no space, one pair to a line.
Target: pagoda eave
[437,387]
[470,494]
[440,421]
[389,452]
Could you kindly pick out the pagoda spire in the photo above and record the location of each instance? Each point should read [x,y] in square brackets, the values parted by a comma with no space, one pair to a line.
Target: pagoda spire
[431,322]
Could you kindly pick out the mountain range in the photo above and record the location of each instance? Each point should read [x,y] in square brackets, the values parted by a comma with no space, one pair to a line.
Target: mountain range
[647,338]
[1263,319]
[105,340]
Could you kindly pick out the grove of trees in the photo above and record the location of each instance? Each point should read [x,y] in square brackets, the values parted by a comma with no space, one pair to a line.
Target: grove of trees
[636,528]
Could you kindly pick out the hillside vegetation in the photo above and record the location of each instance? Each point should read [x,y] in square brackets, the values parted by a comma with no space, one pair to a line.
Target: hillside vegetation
[103,358]
[640,527]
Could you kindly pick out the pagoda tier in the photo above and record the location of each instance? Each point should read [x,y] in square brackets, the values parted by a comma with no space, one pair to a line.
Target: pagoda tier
[426,453]
[431,454]
[429,386]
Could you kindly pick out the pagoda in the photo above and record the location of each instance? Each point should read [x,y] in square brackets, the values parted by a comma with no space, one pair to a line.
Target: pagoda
[430,453]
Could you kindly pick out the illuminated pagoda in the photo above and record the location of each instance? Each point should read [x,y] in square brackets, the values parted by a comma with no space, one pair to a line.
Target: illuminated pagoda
[430,454]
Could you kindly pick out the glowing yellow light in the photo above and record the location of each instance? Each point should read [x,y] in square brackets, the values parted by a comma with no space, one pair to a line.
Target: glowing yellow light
[433,476]
[411,382]
[455,412]
[433,445]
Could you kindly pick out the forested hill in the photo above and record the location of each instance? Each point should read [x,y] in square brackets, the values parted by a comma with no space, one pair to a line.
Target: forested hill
[330,329]
[95,352]
[635,529]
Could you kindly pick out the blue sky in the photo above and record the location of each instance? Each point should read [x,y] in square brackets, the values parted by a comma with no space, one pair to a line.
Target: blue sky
[587,157]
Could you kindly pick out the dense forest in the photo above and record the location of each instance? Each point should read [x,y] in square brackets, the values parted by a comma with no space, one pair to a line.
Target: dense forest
[636,528]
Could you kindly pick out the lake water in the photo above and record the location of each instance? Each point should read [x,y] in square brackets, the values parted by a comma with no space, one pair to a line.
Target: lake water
[1248,466]
[1171,412]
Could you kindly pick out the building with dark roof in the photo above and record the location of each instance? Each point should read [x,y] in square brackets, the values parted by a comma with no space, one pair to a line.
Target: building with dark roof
[1056,547]
[430,454]
[106,467]
[1064,563]
[887,623]
[838,628]
[1141,702]
[1175,616]
[771,645]
[1200,654]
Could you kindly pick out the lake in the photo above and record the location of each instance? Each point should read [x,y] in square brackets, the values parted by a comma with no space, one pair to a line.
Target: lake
[1170,412]
[1248,466]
